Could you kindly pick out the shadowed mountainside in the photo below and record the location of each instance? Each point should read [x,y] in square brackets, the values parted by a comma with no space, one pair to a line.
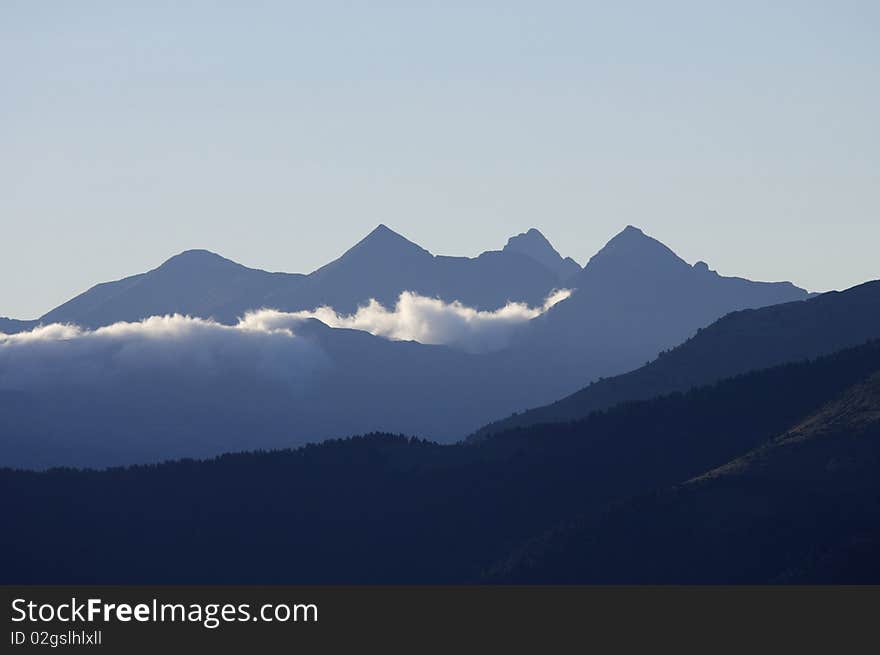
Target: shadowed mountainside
[739,342]
[148,399]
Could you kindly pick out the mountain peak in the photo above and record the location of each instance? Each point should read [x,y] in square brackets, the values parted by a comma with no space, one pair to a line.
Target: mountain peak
[382,231]
[196,259]
[703,268]
[196,253]
[631,248]
[535,245]
[633,234]
[531,239]
[381,246]
[384,241]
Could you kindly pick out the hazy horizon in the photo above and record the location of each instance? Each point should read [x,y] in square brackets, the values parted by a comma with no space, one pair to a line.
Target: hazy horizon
[279,135]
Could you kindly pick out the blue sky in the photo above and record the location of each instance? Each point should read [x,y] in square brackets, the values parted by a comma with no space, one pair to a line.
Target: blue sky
[279,133]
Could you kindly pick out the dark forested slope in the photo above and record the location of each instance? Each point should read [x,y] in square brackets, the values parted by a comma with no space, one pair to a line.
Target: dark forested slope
[739,342]
[391,509]
[802,507]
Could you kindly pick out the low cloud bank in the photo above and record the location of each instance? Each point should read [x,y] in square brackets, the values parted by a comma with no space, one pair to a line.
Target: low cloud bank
[263,345]
[430,320]
[182,346]
[177,386]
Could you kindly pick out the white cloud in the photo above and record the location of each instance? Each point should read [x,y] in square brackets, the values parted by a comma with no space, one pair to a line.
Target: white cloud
[427,320]
[175,386]
[263,345]
[193,348]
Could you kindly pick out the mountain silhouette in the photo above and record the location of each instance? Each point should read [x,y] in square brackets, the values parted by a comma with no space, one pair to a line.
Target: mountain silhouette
[636,279]
[384,264]
[757,477]
[195,283]
[634,299]
[381,266]
[13,326]
[737,343]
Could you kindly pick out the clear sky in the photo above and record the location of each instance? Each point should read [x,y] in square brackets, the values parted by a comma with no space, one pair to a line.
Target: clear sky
[279,133]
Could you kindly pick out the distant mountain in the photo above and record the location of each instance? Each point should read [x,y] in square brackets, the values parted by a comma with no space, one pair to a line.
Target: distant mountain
[635,278]
[380,266]
[195,282]
[636,297]
[800,508]
[385,509]
[633,299]
[384,264]
[739,342]
[535,245]
[12,326]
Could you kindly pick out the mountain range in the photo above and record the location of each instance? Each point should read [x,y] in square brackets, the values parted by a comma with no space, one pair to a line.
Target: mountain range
[381,266]
[623,276]
[744,451]
[119,405]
